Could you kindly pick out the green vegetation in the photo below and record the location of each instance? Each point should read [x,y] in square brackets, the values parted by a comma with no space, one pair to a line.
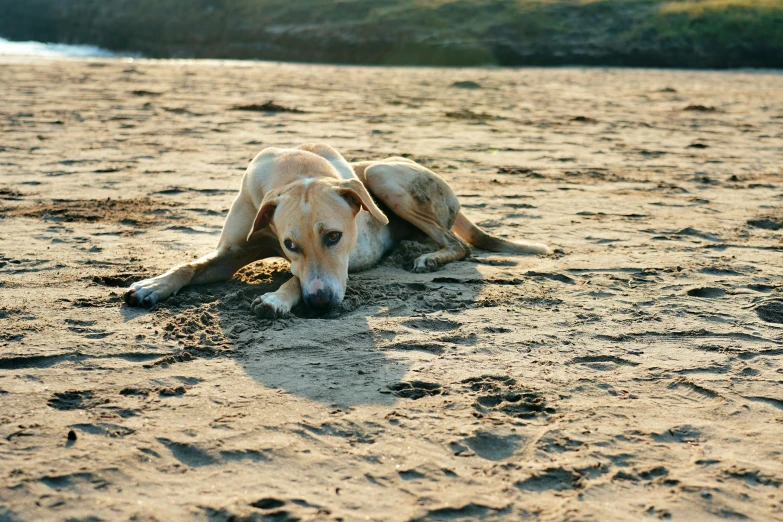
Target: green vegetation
[669,33]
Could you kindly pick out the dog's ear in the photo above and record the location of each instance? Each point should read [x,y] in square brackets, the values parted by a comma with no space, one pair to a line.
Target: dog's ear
[264,216]
[357,196]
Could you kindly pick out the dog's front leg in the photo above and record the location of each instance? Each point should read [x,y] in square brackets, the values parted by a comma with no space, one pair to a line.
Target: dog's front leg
[279,303]
[218,266]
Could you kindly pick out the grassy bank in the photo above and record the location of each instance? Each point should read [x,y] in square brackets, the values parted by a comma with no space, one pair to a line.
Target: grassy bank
[666,33]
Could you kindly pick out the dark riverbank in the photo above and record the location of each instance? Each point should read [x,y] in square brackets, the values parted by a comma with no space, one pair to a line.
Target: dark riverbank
[654,33]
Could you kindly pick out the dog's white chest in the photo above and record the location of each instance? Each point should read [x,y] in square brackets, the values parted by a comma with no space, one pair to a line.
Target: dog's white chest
[373,242]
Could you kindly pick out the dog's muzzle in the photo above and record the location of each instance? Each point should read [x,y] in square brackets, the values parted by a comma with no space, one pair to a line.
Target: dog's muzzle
[320,299]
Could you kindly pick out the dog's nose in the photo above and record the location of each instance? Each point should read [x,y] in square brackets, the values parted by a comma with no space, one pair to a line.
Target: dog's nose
[319,299]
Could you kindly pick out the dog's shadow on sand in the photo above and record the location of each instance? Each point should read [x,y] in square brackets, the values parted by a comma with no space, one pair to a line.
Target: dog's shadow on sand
[391,320]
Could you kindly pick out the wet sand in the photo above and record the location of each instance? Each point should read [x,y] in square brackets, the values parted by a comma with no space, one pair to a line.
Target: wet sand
[635,375]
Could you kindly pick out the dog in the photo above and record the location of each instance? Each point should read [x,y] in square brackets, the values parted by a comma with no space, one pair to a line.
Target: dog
[328,217]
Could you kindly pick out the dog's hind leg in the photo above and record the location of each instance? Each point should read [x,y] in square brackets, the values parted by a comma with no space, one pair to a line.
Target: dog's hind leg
[233,252]
[422,198]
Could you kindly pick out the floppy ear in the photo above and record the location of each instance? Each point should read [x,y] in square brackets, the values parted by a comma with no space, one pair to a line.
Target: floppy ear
[356,194]
[264,216]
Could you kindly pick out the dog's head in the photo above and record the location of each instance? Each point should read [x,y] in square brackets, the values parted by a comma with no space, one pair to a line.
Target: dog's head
[315,222]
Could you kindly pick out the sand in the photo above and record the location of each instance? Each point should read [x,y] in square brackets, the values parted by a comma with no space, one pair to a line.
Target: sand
[634,375]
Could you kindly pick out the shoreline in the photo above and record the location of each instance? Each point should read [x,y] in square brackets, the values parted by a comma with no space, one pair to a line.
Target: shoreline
[239,62]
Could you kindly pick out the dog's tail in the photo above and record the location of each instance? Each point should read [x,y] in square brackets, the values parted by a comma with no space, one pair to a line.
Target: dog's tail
[471,233]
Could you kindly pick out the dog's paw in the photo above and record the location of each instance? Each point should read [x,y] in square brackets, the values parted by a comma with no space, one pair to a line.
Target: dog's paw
[270,306]
[147,292]
[424,264]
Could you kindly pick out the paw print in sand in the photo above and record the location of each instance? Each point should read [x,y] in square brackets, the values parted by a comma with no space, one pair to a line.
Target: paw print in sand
[503,394]
[415,389]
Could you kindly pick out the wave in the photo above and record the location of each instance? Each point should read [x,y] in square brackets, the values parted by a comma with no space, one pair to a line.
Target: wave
[9,48]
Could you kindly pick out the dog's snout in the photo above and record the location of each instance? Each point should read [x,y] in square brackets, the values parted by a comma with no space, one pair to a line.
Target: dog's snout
[319,299]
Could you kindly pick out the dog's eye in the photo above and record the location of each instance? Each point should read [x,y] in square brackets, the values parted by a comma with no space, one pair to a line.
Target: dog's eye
[332,238]
[290,245]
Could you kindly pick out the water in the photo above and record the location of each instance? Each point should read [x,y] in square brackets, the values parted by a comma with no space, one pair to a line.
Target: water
[8,48]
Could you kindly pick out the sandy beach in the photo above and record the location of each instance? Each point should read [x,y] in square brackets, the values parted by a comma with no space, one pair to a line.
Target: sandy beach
[633,375]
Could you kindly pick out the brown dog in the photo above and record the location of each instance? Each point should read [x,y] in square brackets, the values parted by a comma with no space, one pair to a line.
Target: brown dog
[310,206]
